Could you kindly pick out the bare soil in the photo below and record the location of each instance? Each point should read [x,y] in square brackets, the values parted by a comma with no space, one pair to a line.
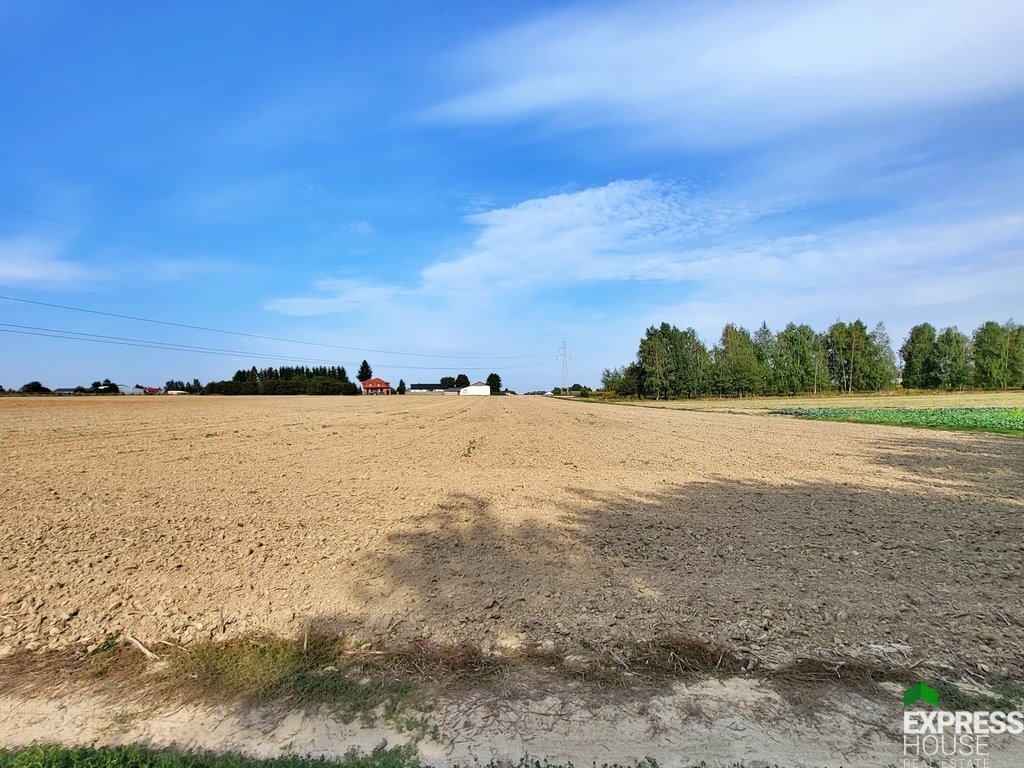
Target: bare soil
[508,522]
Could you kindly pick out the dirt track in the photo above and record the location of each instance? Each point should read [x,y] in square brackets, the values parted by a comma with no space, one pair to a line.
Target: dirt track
[506,521]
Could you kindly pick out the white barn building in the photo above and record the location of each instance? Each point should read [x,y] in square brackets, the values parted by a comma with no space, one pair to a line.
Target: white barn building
[479,388]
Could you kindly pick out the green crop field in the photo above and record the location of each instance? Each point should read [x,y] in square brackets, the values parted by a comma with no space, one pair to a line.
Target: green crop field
[998,420]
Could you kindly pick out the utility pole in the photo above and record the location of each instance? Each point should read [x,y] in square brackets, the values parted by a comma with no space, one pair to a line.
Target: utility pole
[563,355]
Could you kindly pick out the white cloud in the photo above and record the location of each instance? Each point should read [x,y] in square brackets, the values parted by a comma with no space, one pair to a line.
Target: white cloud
[30,261]
[724,74]
[625,230]
[336,295]
[646,230]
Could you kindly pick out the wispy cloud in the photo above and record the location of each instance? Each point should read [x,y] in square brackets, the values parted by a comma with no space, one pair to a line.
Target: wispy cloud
[650,231]
[720,75]
[361,228]
[35,262]
[625,230]
[337,295]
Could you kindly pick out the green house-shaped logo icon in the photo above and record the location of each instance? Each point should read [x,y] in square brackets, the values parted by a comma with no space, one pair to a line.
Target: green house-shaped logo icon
[920,692]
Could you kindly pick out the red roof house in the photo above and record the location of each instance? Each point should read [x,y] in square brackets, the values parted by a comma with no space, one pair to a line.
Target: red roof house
[376,386]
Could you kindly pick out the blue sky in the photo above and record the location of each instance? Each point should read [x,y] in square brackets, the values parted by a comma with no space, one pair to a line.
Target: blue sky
[470,184]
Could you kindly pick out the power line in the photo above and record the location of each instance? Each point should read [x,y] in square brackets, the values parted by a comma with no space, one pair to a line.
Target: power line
[262,337]
[60,333]
[584,369]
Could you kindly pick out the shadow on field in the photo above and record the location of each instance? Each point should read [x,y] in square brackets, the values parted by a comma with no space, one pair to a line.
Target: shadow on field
[983,464]
[912,574]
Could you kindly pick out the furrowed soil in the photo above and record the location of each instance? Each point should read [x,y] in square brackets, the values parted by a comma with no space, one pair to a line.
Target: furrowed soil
[509,523]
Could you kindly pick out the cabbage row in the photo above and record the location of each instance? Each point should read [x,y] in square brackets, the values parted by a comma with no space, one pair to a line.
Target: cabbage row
[1000,420]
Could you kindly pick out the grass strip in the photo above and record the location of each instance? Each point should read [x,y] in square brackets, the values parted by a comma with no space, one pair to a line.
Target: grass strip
[53,756]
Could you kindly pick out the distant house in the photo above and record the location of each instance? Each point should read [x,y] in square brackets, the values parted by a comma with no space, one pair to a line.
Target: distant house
[126,390]
[64,391]
[479,388]
[376,386]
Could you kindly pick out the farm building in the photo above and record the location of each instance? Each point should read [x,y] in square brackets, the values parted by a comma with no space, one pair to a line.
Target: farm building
[479,388]
[431,389]
[376,386]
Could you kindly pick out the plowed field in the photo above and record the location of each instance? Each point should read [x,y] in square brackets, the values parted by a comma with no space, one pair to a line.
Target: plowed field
[507,521]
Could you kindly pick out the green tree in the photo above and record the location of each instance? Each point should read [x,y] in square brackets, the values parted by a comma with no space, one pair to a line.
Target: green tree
[990,353]
[105,387]
[401,387]
[952,359]
[365,372]
[920,367]
[321,385]
[692,363]
[462,380]
[879,370]
[767,353]
[656,366]
[854,360]
[796,364]
[737,369]
[624,381]
[34,388]
[1015,354]
[672,363]
[447,382]
[494,382]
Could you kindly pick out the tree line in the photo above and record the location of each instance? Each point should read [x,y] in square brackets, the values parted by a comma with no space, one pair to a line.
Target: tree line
[993,358]
[847,357]
[105,387]
[493,381]
[287,380]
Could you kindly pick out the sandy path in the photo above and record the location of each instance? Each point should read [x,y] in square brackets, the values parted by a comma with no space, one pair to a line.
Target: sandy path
[507,520]
[718,721]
